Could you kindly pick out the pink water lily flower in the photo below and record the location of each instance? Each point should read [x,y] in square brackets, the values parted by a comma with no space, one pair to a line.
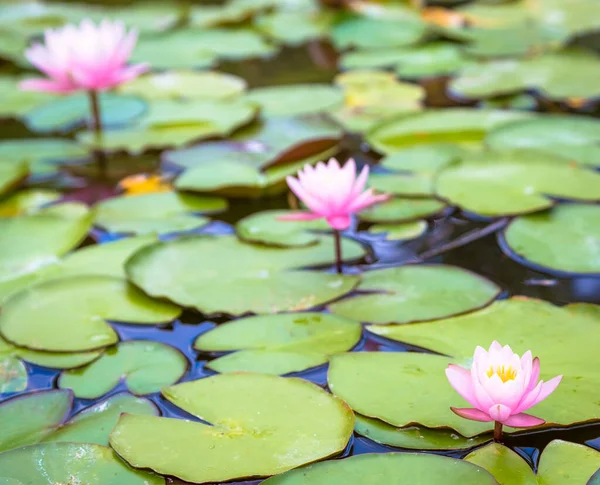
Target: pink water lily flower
[500,386]
[85,57]
[332,192]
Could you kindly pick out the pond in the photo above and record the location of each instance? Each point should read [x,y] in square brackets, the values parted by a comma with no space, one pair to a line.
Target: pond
[162,322]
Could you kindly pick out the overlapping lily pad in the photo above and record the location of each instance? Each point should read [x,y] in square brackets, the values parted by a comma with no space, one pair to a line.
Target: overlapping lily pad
[144,366]
[12,175]
[415,293]
[204,272]
[561,463]
[505,183]
[280,424]
[156,213]
[454,125]
[565,239]
[397,468]
[15,102]
[279,344]
[400,231]
[27,201]
[13,373]
[294,27]
[35,318]
[399,209]
[67,462]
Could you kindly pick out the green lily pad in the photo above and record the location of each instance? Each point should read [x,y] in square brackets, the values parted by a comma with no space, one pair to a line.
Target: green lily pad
[497,183]
[28,418]
[454,125]
[145,17]
[279,344]
[415,437]
[399,209]
[145,367]
[27,201]
[12,175]
[576,18]
[293,27]
[156,213]
[67,114]
[401,231]
[94,424]
[572,137]
[17,103]
[35,318]
[280,424]
[204,272]
[525,102]
[185,84]
[295,99]
[415,293]
[557,75]
[397,468]
[70,462]
[561,463]
[265,228]
[13,374]
[559,334]
[565,239]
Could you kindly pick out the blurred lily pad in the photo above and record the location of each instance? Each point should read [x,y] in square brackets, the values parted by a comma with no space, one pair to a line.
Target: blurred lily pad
[400,231]
[35,318]
[94,424]
[27,418]
[63,462]
[11,175]
[397,468]
[203,272]
[400,209]
[156,213]
[572,19]
[15,102]
[144,366]
[572,137]
[505,183]
[264,227]
[27,201]
[293,27]
[185,84]
[262,429]
[565,239]
[454,125]
[295,99]
[414,293]
[561,463]
[13,374]
[67,114]
[279,344]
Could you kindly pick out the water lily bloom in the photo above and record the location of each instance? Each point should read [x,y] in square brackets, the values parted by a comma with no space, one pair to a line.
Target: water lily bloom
[500,386]
[332,192]
[86,57]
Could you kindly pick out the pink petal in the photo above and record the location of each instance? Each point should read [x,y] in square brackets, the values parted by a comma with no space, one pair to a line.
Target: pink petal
[547,389]
[523,420]
[314,204]
[499,412]
[47,86]
[526,368]
[299,216]
[340,222]
[535,375]
[496,346]
[528,399]
[129,73]
[460,380]
[482,396]
[361,181]
[472,414]
[365,200]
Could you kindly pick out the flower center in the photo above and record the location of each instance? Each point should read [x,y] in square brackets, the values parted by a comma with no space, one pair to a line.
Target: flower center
[504,373]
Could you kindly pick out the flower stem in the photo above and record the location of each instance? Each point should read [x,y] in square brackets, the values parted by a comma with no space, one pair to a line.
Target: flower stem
[338,251]
[95,105]
[498,432]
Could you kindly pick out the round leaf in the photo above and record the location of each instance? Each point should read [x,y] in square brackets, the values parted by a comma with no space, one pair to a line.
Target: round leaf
[399,209]
[400,231]
[13,375]
[368,32]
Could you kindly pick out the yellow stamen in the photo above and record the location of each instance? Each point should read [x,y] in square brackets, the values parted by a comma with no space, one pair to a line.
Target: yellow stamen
[504,373]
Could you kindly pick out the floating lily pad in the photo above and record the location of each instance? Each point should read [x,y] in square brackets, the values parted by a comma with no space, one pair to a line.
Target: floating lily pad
[28,418]
[400,209]
[94,424]
[556,75]
[400,231]
[295,99]
[12,175]
[156,213]
[280,424]
[35,318]
[145,367]
[525,102]
[68,462]
[573,137]
[264,227]
[16,102]
[397,468]
[494,184]
[27,201]
[185,84]
[279,344]
[414,293]
[578,17]
[454,125]
[13,374]
[67,114]
[563,240]
[415,437]
[293,27]
[561,463]
[559,333]
[204,272]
